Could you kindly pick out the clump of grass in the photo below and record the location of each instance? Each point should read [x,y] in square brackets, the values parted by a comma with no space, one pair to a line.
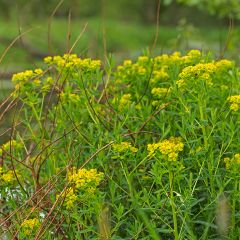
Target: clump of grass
[141,150]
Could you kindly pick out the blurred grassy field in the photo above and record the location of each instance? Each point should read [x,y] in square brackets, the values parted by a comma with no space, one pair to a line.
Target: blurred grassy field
[123,39]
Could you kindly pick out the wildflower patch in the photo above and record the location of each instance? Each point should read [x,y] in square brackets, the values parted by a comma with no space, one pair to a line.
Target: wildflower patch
[143,149]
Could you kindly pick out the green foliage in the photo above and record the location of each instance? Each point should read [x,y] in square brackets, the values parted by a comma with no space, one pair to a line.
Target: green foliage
[221,8]
[148,149]
[134,9]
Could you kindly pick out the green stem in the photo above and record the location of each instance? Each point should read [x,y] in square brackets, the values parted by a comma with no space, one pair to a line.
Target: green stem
[36,116]
[202,110]
[175,225]
[202,118]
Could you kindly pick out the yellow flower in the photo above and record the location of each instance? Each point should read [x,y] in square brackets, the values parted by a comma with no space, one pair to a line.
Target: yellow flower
[83,178]
[82,181]
[176,54]
[237,158]
[23,76]
[180,83]
[124,101]
[94,64]
[152,148]
[71,61]
[7,177]
[120,68]
[143,59]
[194,53]
[234,99]
[175,58]
[169,147]
[141,70]
[235,102]
[159,75]
[10,145]
[48,59]
[38,71]
[232,162]
[124,147]
[234,107]
[127,63]
[37,82]
[227,161]
[138,106]
[30,225]
[224,64]
[160,92]
[47,84]
[163,59]
[199,70]
[70,198]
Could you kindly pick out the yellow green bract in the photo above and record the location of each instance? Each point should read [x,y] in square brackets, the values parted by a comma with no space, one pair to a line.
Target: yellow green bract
[124,147]
[81,181]
[169,148]
[29,226]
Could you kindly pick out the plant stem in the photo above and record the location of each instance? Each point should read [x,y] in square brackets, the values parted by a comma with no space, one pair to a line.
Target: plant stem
[175,225]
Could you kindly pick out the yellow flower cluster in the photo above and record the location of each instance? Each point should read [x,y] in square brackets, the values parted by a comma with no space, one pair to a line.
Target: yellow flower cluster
[47,84]
[124,147]
[157,66]
[169,147]
[34,79]
[30,225]
[7,177]
[72,61]
[235,102]
[124,101]
[69,97]
[141,70]
[192,65]
[231,162]
[224,64]
[194,53]
[176,58]
[198,71]
[132,69]
[166,59]
[143,59]
[85,179]
[27,75]
[127,62]
[158,75]
[204,71]
[160,92]
[180,83]
[70,198]
[29,80]
[82,180]
[13,144]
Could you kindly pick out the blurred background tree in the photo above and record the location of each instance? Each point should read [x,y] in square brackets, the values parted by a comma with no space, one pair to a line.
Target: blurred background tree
[140,10]
[221,8]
